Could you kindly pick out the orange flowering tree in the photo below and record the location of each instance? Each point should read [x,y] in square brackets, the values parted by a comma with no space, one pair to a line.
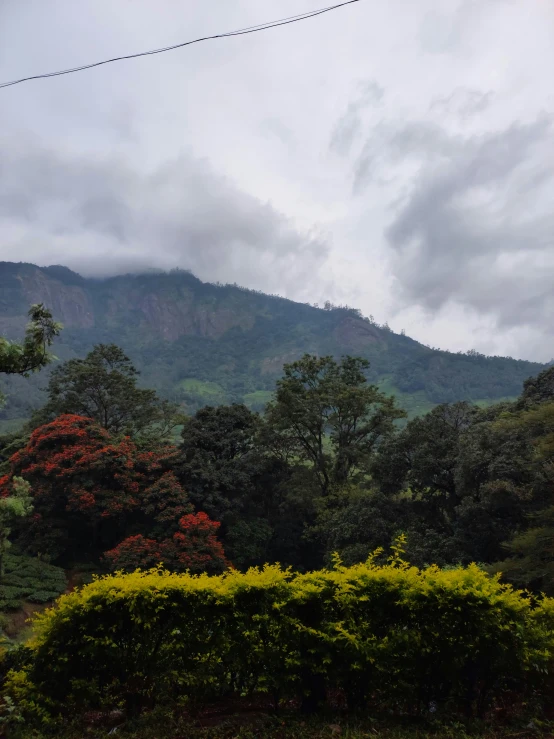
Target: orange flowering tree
[92,493]
[194,547]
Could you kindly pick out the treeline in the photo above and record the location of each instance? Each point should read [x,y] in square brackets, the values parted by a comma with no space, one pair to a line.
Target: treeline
[121,478]
[108,477]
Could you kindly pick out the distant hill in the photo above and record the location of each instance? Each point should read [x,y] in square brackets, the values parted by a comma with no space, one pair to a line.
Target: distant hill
[199,343]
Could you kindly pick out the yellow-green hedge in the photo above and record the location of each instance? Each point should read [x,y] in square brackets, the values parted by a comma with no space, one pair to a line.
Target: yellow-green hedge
[392,636]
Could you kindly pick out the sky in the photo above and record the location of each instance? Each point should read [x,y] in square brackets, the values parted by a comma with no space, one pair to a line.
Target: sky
[397,157]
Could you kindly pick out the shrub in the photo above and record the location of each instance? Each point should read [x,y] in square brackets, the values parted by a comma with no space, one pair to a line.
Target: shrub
[393,637]
[27,578]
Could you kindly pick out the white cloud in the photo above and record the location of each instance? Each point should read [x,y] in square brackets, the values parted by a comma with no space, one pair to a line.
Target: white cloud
[126,144]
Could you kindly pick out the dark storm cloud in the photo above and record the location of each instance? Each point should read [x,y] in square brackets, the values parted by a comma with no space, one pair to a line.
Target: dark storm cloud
[475,226]
[103,216]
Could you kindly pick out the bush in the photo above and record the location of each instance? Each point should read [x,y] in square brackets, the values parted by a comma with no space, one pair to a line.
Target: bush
[394,637]
[27,578]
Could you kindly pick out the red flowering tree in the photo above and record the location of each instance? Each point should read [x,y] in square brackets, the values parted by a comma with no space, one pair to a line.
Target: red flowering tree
[134,552]
[195,547]
[84,485]
[91,491]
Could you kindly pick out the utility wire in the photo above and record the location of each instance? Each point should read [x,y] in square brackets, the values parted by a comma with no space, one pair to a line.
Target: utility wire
[239,32]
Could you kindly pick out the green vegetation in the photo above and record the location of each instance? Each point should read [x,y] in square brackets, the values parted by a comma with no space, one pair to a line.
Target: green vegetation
[32,355]
[29,579]
[332,476]
[233,342]
[388,638]
[18,503]
[255,722]
[103,386]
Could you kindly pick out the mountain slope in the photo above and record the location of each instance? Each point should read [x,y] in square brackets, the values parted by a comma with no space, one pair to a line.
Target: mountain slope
[200,343]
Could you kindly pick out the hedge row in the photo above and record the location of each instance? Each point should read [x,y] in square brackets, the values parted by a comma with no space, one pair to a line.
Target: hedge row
[390,637]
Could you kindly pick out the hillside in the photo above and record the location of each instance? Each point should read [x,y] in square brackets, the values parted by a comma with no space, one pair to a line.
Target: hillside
[200,343]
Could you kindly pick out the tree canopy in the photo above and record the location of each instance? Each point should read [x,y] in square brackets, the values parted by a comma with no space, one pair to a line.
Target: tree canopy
[103,386]
[331,416]
[30,355]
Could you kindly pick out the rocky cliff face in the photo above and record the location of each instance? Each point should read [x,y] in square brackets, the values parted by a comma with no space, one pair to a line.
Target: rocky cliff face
[199,343]
[70,304]
[166,314]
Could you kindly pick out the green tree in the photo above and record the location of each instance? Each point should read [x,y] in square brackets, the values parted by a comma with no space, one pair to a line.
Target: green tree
[423,458]
[330,415]
[530,561]
[229,473]
[103,386]
[538,389]
[16,505]
[32,354]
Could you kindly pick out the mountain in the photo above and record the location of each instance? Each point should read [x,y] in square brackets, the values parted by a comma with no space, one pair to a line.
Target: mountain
[200,343]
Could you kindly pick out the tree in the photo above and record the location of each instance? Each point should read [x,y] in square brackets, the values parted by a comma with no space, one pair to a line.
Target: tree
[194,548]
[218,449]
[538,389]
[229,474]
[334,419]
[14,505]
[84,486]
[423,457]
[90,489]
[31,355]
[103,386]
[530,561]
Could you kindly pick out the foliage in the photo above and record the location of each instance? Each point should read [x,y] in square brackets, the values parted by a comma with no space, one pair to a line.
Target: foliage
[30,579]
[243,721]
[193,548]
[31,355]
[319,398]
[103,387]
[229,473]
[538,389]
[390,637]
[15,502]
[176,328]
[91,491]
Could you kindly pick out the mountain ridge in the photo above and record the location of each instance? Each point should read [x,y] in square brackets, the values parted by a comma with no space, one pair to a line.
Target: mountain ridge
[199,342]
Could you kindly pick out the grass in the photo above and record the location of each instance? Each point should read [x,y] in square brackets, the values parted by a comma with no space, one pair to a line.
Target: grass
[415,404]
[202,388]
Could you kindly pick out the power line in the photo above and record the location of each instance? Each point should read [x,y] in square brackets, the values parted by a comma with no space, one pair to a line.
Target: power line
[239,32]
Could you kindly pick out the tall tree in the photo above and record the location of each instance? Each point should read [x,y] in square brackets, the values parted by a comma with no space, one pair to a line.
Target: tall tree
[539,389]
[332,417]
[423,456]
[103,387]
[32,354]
[530,561]
[227,472]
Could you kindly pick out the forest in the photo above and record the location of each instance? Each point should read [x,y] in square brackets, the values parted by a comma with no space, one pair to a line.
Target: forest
[326,554]
[199,344]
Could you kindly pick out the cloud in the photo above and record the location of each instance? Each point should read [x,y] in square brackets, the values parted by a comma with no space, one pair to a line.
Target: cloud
[474,225]
[463,103]
[349,126]
[433,174]
[102,216]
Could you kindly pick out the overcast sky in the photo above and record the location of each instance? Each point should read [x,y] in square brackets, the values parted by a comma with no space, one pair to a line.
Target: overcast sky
[396,156]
